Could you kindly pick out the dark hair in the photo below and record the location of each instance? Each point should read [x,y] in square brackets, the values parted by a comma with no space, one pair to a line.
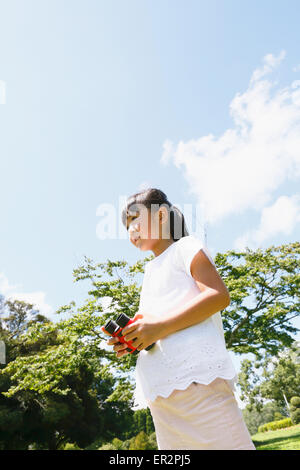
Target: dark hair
[150,196]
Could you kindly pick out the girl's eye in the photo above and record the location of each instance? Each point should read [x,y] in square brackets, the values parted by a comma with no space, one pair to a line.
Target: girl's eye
[133,217]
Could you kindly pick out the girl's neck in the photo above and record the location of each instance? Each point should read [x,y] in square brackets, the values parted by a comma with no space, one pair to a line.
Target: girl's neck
[161,246]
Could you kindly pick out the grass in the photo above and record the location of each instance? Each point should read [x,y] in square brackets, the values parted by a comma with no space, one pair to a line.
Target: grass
[282,439]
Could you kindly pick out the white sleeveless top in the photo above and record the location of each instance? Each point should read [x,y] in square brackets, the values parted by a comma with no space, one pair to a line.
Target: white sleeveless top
[194,354]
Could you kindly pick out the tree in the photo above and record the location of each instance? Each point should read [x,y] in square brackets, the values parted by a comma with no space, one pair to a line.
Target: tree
[265,296]
[16,414]
[142,421]
[278,381]
[295,410]
[51,394]
[142,442]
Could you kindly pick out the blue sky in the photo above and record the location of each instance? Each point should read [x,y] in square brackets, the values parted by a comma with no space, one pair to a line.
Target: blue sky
[102,98]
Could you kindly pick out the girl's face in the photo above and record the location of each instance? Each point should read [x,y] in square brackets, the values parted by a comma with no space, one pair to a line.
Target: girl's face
[145,227]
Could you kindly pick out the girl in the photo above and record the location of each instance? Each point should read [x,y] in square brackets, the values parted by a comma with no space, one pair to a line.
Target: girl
[187,378]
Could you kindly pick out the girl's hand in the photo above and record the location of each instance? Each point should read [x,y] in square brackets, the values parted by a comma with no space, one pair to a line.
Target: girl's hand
[143,332]
[119,348]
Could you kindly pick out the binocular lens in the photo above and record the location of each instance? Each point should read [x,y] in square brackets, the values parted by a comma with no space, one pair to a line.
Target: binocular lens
[122,320]
[110,327]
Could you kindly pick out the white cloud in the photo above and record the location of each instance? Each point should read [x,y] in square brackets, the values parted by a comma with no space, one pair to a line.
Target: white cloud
[167,152]
[242,169]
[144,185]
[270,62]
[279,218]
[5,287]
[14,292]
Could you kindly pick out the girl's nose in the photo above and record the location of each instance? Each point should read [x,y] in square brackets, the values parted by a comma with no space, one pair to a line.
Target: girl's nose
[133,234]
[134,228]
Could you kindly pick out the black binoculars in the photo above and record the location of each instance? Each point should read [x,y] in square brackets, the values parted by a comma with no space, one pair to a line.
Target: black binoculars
[114,328]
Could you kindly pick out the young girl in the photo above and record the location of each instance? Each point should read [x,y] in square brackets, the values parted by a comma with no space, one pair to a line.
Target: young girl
[187,378]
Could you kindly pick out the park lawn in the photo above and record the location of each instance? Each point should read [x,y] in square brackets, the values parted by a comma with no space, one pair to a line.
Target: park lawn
[282,439]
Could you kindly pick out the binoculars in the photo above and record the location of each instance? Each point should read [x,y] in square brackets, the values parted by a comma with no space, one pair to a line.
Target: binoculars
[114,328]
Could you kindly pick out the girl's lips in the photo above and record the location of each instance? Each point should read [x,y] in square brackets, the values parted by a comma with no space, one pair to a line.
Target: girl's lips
[134,239]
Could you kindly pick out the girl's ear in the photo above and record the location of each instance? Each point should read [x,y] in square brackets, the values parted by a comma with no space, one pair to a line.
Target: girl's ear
[163,214]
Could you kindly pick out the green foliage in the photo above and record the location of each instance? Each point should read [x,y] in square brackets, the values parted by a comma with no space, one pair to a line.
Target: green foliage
[54,387]
[295,409]
[295,402]
[139,442]
[117,443]
[269,412]
[278,380]
[152,440]
[70,446]
[273,425]
[143,421]
[271,278]
[296,416]
[107,447]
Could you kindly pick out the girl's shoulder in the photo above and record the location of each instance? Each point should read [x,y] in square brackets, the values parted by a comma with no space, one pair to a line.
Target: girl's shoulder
[186,249]
[188,239]
[189,242]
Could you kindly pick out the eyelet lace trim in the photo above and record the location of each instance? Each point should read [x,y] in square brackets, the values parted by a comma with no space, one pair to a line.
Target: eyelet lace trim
[174,375]
[180,359]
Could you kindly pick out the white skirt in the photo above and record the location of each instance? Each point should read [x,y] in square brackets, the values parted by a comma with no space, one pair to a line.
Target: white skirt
[205,417]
